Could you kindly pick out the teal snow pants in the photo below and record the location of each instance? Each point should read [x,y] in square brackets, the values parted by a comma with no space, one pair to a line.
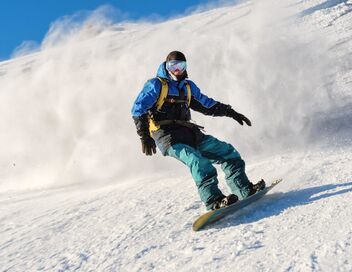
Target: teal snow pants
[200,162]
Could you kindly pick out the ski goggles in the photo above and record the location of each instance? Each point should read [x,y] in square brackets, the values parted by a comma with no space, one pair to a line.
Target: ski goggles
[176,65]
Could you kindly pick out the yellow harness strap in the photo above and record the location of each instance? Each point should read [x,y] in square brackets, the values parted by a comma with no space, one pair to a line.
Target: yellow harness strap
[163,93]
[161,100]
[189,94]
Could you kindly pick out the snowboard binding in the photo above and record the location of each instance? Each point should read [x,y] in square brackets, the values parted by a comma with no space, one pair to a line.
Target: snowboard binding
[224,202]
[254,188]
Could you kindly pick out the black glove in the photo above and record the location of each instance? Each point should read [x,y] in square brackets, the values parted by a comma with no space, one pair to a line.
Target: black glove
[142,126]
[240,118]
[148,146]
[220,109]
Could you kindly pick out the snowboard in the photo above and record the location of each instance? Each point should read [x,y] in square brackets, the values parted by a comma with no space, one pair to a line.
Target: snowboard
[215,215]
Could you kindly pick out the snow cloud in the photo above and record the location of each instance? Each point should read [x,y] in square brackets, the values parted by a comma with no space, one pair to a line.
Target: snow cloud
[66,110]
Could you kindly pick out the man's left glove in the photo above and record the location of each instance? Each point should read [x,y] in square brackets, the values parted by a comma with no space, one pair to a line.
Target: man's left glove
[240,118]
[148,145]
[226,110]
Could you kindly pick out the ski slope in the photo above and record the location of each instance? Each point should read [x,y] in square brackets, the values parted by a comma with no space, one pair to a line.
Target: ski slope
[77,194]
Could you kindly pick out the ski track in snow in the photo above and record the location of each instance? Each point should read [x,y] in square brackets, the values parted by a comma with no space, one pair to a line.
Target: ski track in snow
[304,224]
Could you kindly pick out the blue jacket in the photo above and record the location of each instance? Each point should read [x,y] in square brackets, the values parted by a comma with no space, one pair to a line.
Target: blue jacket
[152,88]
[145,106]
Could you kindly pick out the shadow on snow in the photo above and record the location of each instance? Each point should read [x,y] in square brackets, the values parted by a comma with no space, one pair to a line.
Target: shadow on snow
[325,5]
[276,203]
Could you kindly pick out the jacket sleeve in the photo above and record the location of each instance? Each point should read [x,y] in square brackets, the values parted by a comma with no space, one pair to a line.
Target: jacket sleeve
[206,105]
[143,103]
[146,98]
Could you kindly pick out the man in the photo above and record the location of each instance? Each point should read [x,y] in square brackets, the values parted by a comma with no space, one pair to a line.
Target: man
[162,117]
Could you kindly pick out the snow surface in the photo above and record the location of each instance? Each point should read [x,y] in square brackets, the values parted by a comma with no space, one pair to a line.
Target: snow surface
[76,194]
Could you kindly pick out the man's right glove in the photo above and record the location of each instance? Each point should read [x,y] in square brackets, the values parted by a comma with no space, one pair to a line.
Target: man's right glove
[142,126]
[148,145]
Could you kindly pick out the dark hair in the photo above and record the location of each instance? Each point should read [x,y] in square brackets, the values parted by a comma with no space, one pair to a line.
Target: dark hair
[176,55]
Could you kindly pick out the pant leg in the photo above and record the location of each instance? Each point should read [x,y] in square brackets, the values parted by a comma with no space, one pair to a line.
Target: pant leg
[202,170]
[231,163]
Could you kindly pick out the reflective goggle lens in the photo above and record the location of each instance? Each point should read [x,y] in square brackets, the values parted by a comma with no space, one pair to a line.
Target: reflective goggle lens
[176,65]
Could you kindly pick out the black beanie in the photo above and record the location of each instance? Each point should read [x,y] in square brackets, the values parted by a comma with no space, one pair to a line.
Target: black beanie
[176,55]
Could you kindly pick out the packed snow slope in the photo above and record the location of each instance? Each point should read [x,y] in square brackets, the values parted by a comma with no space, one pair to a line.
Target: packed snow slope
[77,194]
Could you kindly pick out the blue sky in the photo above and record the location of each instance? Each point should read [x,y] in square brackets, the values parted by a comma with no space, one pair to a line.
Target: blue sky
[29,20]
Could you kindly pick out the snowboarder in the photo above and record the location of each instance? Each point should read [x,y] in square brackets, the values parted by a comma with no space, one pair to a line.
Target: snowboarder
[162,117]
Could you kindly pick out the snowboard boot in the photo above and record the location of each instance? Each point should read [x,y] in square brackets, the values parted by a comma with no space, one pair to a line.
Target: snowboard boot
[224,202]
[260,185]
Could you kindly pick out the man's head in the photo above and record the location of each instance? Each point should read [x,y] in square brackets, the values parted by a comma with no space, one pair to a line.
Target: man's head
[176,65]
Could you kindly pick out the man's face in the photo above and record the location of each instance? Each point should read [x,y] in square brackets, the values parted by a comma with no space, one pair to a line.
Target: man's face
[178,73]
[176,67]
